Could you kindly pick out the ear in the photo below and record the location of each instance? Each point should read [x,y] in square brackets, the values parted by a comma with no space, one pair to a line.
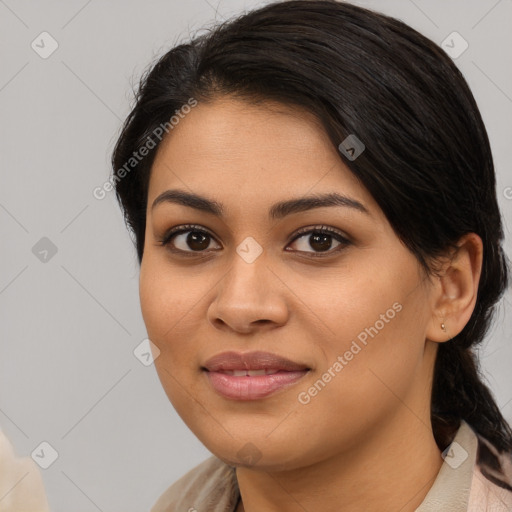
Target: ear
[455,289]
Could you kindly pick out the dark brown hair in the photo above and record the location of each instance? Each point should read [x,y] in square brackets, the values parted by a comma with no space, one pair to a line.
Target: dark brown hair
[427,161]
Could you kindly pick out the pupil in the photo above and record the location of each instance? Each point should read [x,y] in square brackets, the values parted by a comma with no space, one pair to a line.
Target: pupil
[320,242]
[196,241]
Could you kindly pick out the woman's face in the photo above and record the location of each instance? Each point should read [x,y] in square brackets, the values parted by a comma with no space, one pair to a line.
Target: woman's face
[349,306]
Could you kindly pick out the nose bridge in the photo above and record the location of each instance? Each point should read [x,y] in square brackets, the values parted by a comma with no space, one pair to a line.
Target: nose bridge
[247,277]
[249,291]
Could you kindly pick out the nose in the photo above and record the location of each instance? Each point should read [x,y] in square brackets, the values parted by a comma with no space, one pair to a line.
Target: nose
[249,297]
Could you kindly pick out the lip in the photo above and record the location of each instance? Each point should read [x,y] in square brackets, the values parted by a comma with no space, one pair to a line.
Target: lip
[251,361]
[282,373]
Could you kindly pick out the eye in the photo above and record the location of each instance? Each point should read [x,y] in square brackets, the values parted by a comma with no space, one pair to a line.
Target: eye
[188,239]
[320,240]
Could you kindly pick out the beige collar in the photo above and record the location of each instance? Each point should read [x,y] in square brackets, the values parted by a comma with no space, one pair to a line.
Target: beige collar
[451,488]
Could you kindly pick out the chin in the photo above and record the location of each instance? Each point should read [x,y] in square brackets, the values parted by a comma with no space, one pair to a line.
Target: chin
[256,452]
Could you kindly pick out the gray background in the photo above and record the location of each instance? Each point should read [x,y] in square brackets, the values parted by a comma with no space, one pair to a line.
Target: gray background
[69,325]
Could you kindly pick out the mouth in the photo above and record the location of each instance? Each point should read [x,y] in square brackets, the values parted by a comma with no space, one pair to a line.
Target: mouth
[252,375]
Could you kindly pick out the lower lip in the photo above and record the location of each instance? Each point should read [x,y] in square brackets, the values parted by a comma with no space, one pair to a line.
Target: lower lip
[252,388]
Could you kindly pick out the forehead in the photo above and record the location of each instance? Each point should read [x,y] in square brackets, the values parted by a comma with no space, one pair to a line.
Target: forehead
[230,129]
[240,151]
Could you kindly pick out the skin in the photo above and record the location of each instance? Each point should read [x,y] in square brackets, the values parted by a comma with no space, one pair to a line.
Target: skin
[365,441]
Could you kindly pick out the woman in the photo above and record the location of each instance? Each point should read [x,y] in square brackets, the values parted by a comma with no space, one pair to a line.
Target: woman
[312,196]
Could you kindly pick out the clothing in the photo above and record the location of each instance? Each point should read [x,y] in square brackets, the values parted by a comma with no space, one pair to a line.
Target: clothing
[21,486]
[460,485]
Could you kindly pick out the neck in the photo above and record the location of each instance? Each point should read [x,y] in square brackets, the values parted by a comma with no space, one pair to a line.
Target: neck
[392,468]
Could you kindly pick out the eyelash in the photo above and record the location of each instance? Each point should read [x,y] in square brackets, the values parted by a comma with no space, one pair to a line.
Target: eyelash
[178,230]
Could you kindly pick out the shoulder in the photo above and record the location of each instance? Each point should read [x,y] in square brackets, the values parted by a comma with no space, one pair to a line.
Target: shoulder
[21,483]
[211,485]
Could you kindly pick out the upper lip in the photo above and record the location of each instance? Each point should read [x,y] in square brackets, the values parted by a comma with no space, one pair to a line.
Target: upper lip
[251,361]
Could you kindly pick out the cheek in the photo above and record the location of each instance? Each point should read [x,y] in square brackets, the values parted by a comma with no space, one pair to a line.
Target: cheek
[167,306]
[372,327]
[173,305]
[165,299]
[366,379]
[359,302]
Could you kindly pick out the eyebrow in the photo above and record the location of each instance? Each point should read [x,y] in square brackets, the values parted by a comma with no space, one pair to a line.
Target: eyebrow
[277,211]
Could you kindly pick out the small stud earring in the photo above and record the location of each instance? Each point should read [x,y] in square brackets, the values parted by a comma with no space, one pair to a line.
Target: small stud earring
[443,327]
